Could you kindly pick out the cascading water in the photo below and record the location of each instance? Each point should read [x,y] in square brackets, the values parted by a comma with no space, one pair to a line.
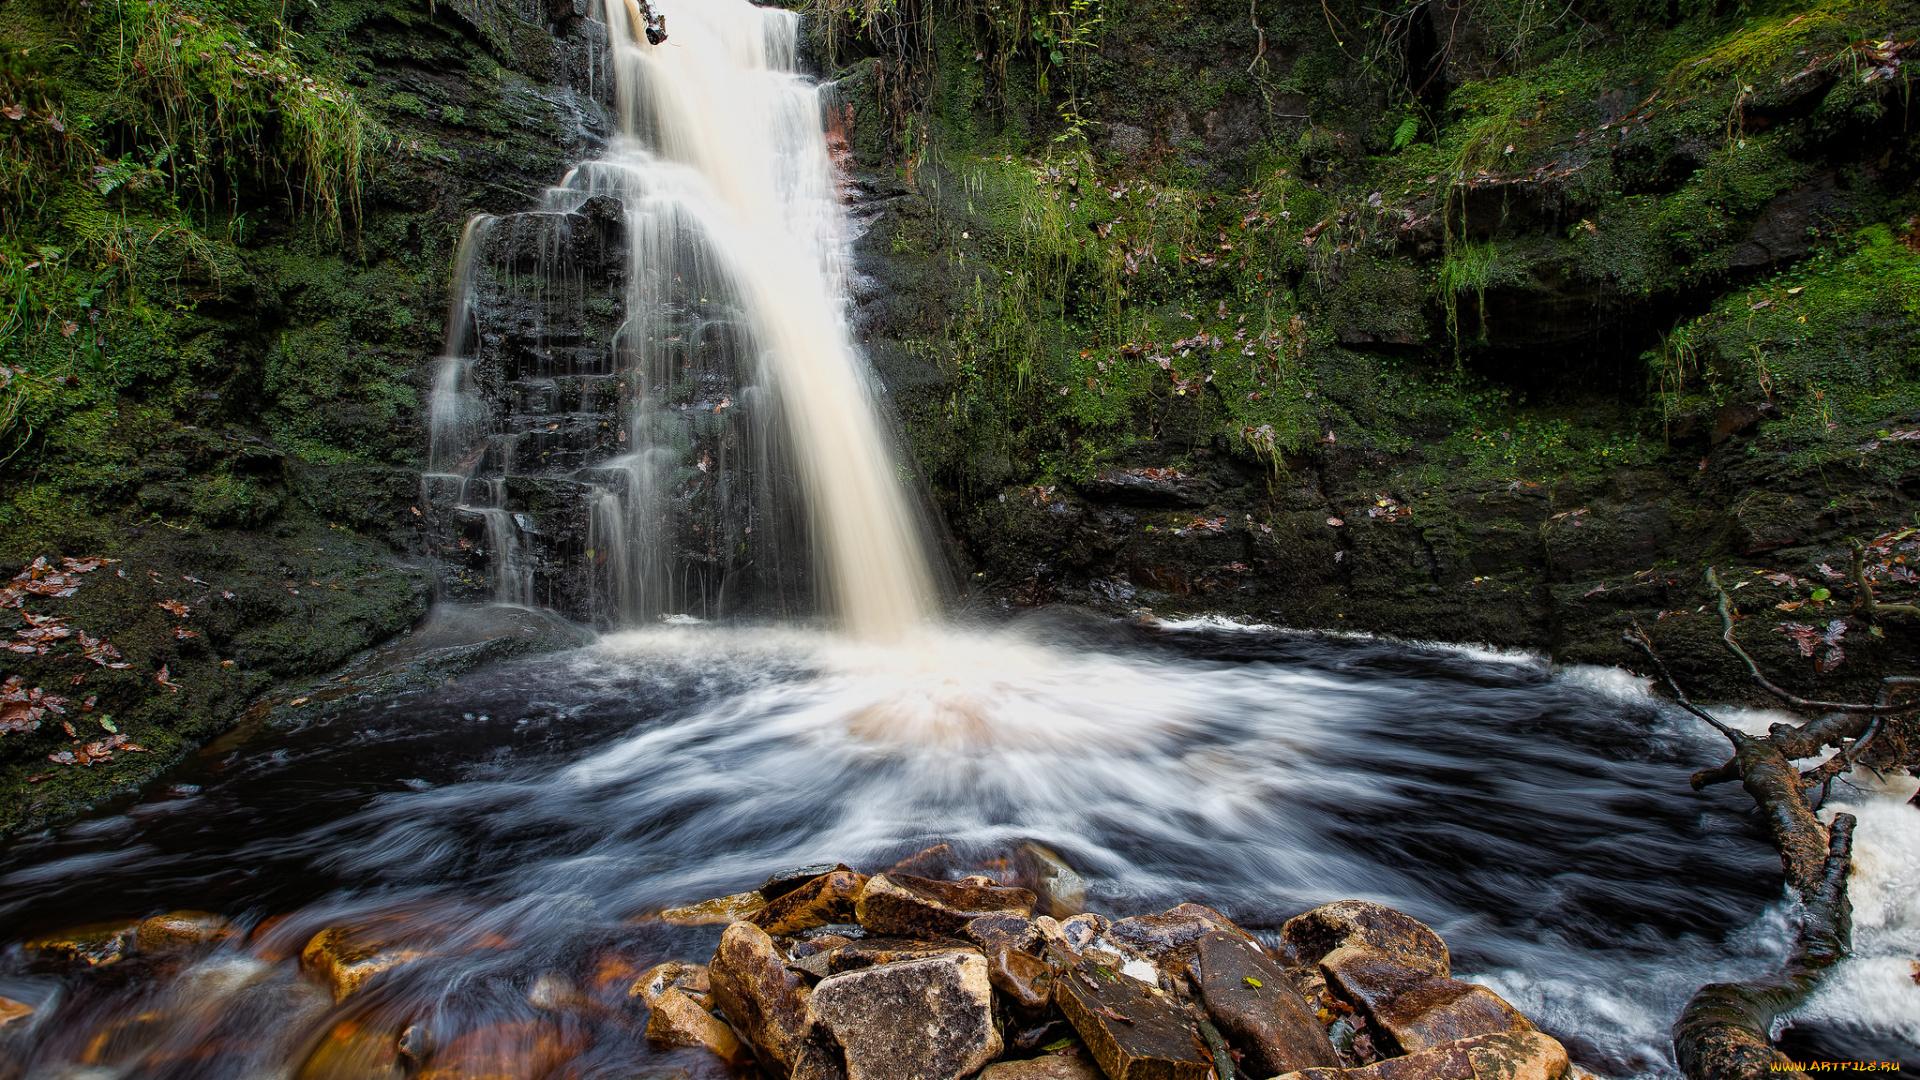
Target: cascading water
[735,374]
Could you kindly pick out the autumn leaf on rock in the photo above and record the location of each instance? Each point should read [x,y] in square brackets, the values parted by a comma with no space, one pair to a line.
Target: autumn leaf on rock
[177,608]
[163,679]
[22,709]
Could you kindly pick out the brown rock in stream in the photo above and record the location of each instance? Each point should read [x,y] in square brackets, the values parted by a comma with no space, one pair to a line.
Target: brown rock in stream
[765,1002]
[1133,1031]
[354,1048]
[821,901]
[927,1019]
[182,930]
[1414,1009]
[345,957]
[14,1012]
[1060,892]
[92,944]
[782,882]
[672,975]
[921,907]
[509,1050]
[721,909]
[678,1019]
[1256,1008]
[1356,924]
[1519,1055]
[1168,938]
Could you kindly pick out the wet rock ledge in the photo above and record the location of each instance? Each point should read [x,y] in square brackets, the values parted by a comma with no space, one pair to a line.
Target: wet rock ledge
[827,974]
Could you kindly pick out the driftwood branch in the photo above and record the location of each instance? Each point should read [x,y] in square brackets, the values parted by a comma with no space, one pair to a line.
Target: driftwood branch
[1872,604]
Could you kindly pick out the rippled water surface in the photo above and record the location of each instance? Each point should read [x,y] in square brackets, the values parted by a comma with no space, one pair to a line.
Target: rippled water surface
[520,824]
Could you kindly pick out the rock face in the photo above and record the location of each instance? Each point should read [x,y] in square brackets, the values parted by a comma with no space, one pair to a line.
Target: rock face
[765,1002]
[1133,1031]
[672,975]
[930,1019]
[678,1019]
[1522,1055]
[1256,1007]
[895,903]
[1356,924]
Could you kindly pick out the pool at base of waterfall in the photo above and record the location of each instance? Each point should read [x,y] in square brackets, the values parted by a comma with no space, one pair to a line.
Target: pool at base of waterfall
[522,827]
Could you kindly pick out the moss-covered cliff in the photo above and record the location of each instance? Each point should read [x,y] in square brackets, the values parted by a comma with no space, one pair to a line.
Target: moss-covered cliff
[1481,319]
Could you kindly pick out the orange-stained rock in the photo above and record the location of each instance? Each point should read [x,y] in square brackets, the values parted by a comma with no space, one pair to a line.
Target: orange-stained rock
[928,1019]
[1133,1031]
[1517,1055]
[514,1050]
[679,1020]
[1416,1010]
[354,1050]
[672,975]
[345,957]
[1254,1005]
[14,1012]
[910,906]
[718,911]
[1168,938]
[764,1001]
[178,930]
[1059,891]
[92,944]
[821,901]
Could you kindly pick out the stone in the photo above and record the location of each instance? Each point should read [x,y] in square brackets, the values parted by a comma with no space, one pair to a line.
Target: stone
[871,951]
[821,901]
[1168,938]
[354,1049]
[1515,1055]
[765,1002]
[510,1050]
[1025,979]
[1357,924]
[177,930]
[672,975]
[1044,1067]
[716,912]
[782,882]
[345,957]
[913,906]
[937,859]
[1133,1031]
[1058,891]
[928,1019]
[1415,1010]
[93,944]
[14,1013]
[680,1020]
[1007,929]
[557,993]
[1256,1008]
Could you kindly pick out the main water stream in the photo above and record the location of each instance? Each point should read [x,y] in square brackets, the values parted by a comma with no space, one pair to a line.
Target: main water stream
[517,831]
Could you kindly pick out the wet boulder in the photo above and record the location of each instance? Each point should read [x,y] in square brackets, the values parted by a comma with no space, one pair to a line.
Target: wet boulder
[1133,1030]
[1315,937]
[930,1019]
[345,957]
[180,930]
[354,1048]
[690,979]
[14,1015]
[716,912]
[92,944]
[1012,945]
[1168,938]
[1256,1008]
[922,907]
[764,1001]
[781,882]
[1415,1010]
[1044,1067]
[1058,890]
[679,1019]
[1519,1055]
[505,1049]
[816,902]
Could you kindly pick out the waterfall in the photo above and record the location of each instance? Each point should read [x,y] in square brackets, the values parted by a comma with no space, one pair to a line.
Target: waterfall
[743,403]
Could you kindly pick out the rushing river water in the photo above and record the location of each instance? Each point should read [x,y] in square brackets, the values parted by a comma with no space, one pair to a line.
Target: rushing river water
[524,821]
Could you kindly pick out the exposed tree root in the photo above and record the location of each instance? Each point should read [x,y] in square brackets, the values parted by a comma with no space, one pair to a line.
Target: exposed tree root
[1724,1032]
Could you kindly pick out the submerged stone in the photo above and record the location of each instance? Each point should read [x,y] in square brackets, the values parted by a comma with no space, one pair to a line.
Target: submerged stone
[1256,1008]
[782,882]
[182,930]
[14,1014]
[1059,891]
[716,912]
[345,957]
[505,1051]
[354,1049]
[902,904]
[92,944]
[672,975]
[929,1019]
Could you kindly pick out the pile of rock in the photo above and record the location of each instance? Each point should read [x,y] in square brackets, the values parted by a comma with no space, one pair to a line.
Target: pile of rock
[827,974]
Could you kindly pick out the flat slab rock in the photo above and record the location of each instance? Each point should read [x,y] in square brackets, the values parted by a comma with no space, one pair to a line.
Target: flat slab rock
[894,903]
[1417,1010]
[928,1019]
[1516,1055]
[1044,1067]
[761,999]
[1133,1032]
[1256,1008]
